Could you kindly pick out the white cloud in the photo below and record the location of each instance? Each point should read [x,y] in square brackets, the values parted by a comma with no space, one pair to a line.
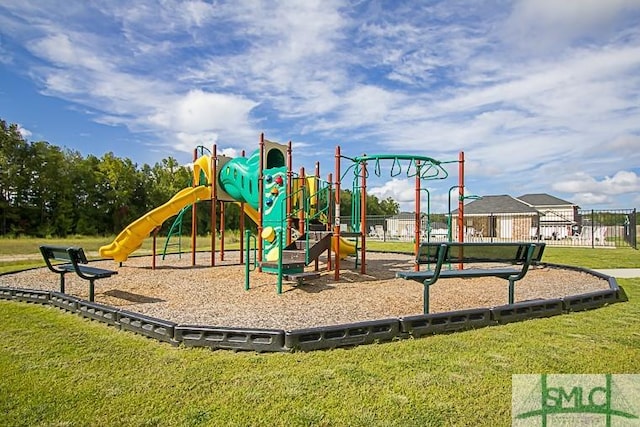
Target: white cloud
[187,142]
[623,182]
[590,199]
[548,25]
[228,152]
[67,50]
[199,111]
[401,190]
[626,145]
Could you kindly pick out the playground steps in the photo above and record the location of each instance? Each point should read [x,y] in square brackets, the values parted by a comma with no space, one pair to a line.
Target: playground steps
[294,255]
[300,278]
[319,242]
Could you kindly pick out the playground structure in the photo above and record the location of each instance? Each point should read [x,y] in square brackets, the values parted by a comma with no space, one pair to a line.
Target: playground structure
[282,204]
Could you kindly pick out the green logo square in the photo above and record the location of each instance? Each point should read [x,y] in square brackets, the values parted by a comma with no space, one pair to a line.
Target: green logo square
[569,400]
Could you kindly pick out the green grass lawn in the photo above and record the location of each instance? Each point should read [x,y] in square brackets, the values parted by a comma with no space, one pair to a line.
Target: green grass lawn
[60,369]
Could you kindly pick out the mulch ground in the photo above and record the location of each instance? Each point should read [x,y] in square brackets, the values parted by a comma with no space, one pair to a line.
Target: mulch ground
[215,296]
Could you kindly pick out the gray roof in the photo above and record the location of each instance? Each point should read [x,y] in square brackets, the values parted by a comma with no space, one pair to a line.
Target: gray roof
[497,205]
[543,199]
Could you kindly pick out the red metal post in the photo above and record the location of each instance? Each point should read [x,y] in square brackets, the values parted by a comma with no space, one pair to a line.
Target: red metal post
[289,191]
[416,267]
[194,216]
[329,216]
[317,205]
[301,201]
[461,202]
[336,223]
[222,231]
[317,263]
[363,220]
[242,228]
[461,197]
[214,202]
[260,201]
[155,236]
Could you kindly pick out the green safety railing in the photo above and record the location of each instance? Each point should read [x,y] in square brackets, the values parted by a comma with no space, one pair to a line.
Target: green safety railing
[175,229]
[248,265]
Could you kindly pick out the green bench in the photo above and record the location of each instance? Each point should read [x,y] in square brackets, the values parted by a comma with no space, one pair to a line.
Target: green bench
[441,258]
[76,261]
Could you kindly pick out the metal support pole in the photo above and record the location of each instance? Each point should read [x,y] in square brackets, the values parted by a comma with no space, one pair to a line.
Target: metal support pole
[247,236]
[194,216]
[317,204]
[329,217]
[302,195]
[214,202]
[155,237]
[461,203]
[260,201]
[242,226]
[363,219]
[280,237]
[461,197]
[222,219]
[336,219]
[416,246]
[289,192]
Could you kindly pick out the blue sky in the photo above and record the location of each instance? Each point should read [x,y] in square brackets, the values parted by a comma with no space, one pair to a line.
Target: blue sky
[543,96]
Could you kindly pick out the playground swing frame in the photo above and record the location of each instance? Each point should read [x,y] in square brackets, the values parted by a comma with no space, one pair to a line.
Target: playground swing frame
[359,164]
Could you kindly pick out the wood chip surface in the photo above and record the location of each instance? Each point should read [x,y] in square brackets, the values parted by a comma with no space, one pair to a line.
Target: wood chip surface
[215,296]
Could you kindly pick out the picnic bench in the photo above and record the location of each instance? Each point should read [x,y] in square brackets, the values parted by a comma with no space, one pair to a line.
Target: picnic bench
[442,257]
[75,261]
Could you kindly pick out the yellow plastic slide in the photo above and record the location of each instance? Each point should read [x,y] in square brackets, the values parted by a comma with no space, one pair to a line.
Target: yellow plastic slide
[346,247]
[133,235]
[251,213]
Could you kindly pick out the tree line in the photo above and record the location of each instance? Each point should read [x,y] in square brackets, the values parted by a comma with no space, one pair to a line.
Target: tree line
[46,190]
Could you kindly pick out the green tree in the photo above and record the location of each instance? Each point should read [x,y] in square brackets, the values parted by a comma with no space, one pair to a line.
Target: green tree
[165,180]
[14,179]
[119,181]
[51,199]
[88,185]
[390,207]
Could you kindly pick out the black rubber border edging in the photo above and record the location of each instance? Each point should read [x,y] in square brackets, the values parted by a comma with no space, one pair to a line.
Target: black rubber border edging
[323,337]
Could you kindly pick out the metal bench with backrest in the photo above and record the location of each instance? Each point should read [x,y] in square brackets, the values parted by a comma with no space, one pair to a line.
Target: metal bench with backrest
[441,258]
[76,261]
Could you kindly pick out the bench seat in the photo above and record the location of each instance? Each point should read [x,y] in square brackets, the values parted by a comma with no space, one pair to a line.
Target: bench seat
[421,276]
[97,273]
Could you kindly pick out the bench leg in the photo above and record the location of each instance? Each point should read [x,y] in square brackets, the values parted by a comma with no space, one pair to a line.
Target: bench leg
[91,290]
[62,283]
[425,299]
[512,291]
